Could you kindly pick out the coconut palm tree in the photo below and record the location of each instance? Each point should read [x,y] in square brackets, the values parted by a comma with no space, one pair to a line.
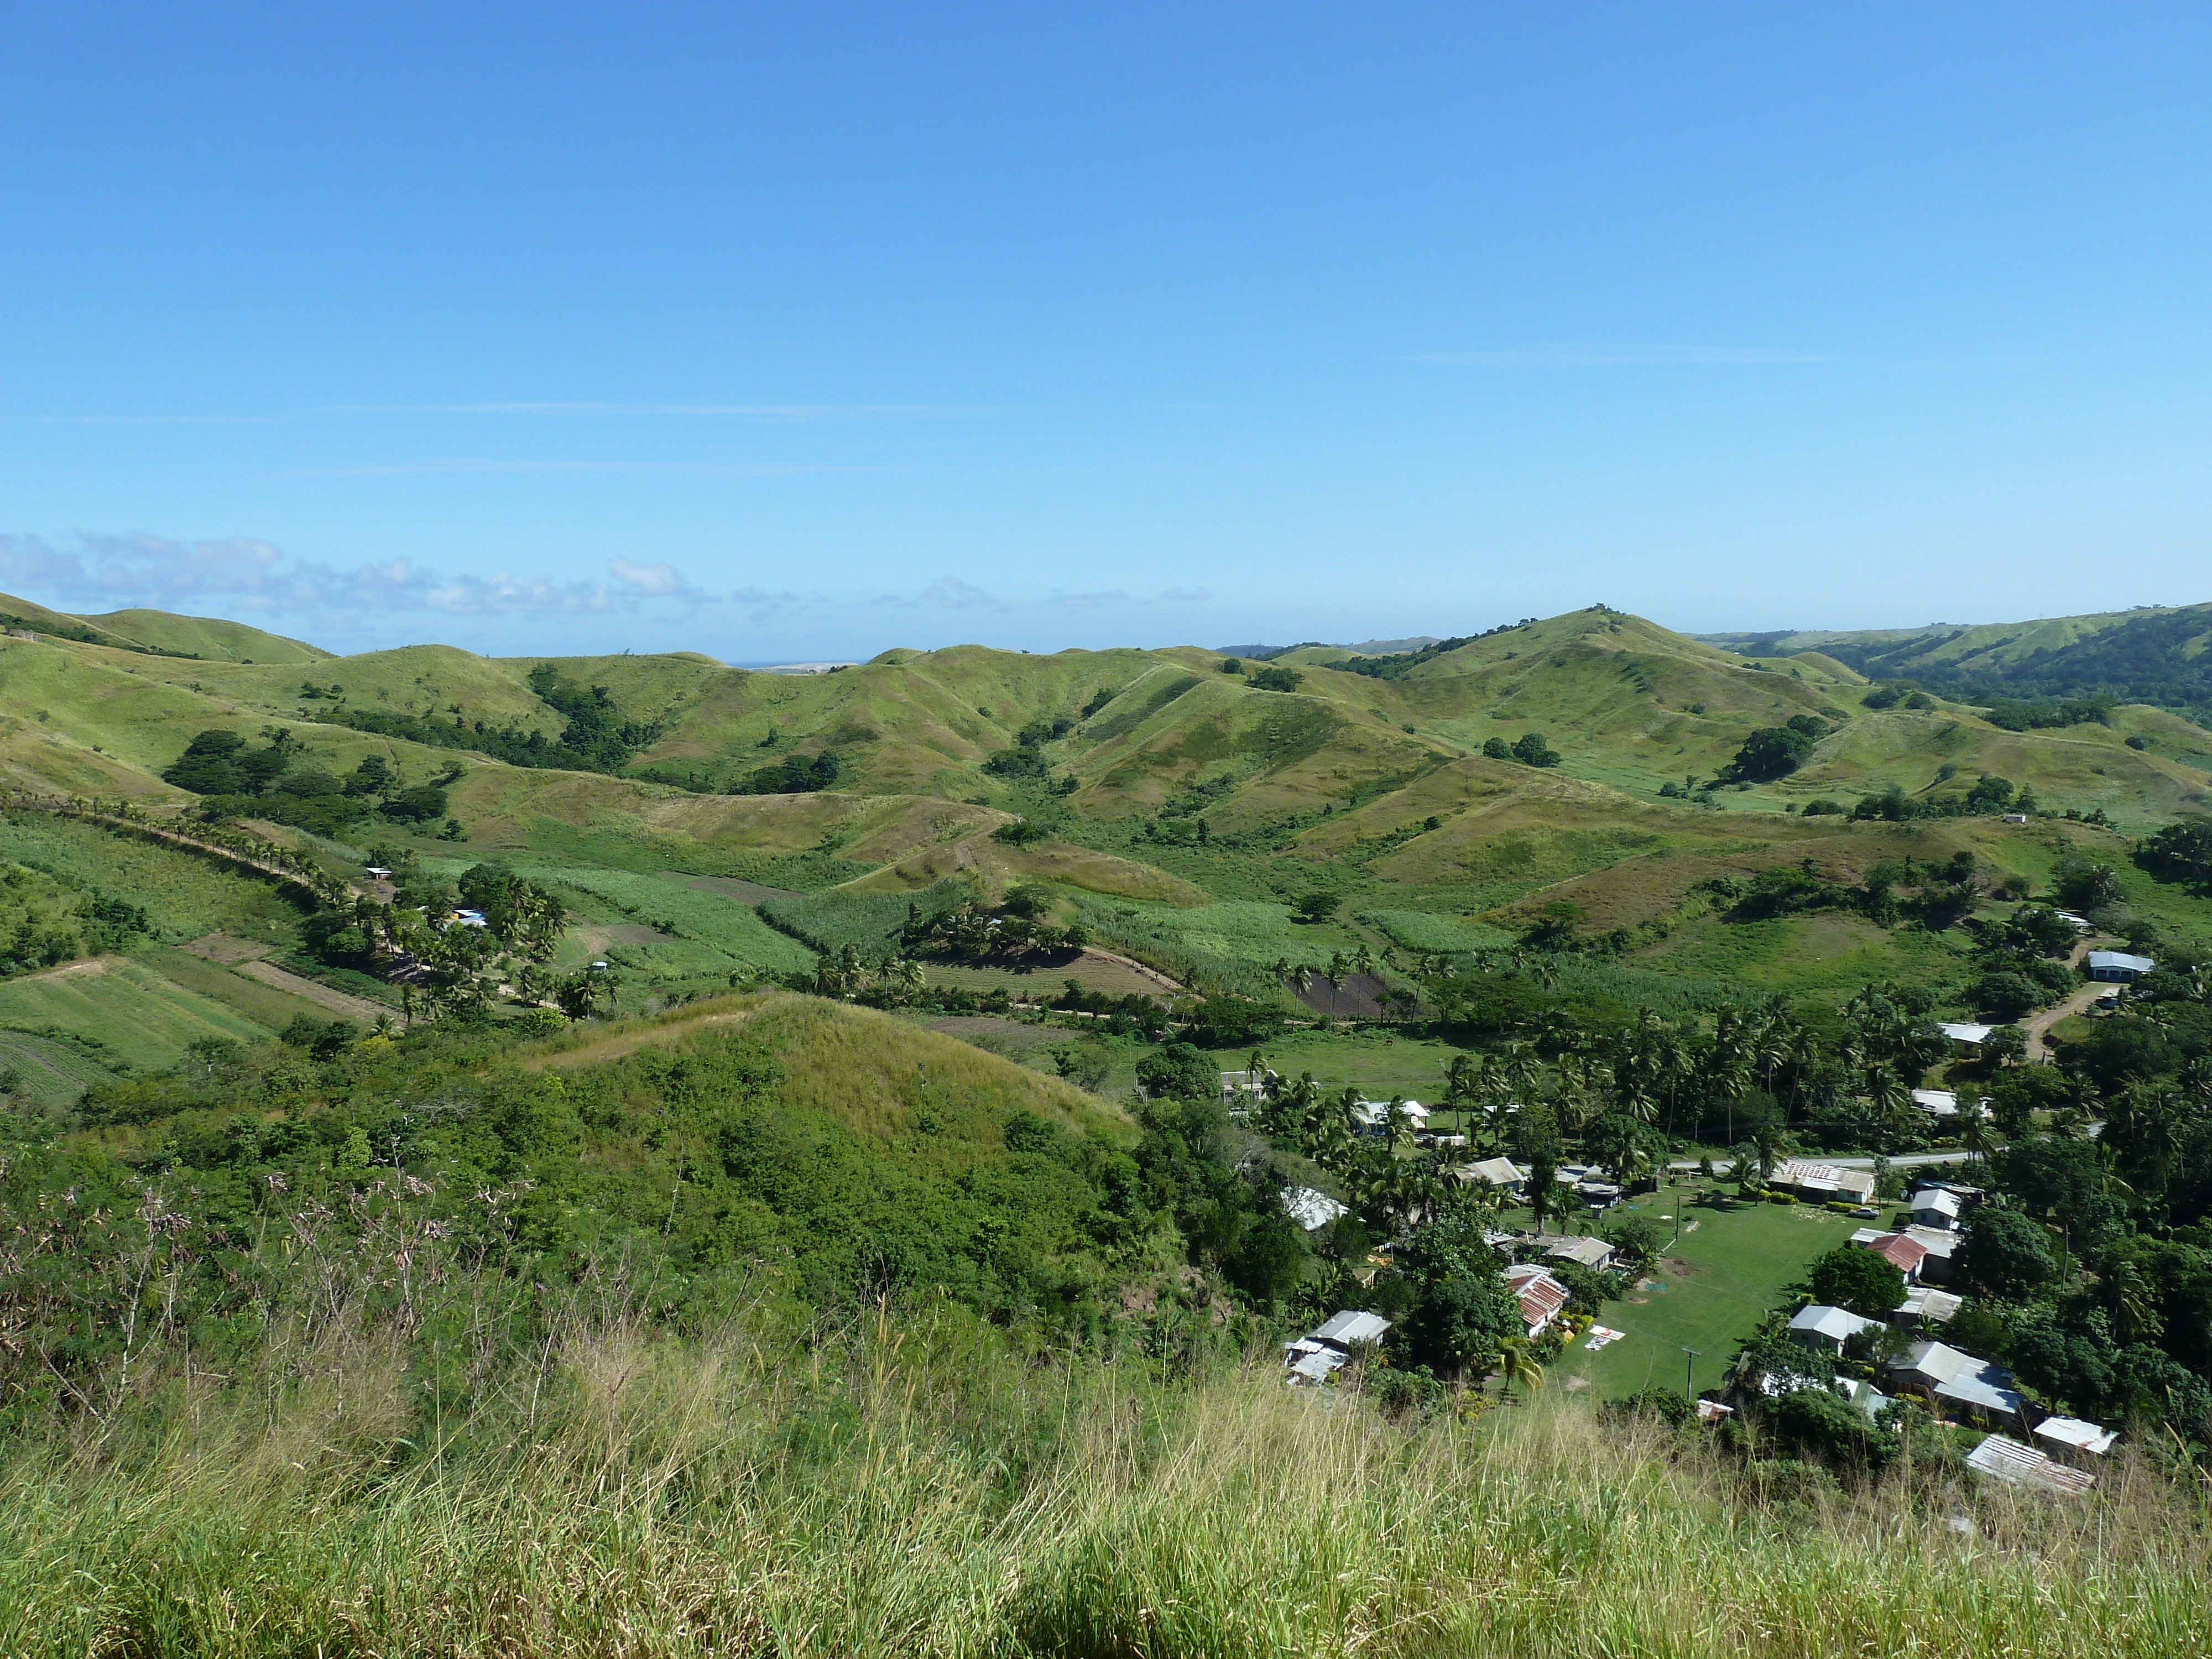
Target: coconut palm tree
[1517,1363]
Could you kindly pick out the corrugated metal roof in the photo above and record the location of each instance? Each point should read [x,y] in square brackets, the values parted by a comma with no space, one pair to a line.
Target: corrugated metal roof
[1540,1296]
[2076,1435]
[1310,1209]
[2003,1458]
[1834,1324]
[1345,1328]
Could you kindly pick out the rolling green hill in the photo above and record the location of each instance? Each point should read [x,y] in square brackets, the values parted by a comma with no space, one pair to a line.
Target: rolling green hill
[204,636]
[1155,778]
[2154,653]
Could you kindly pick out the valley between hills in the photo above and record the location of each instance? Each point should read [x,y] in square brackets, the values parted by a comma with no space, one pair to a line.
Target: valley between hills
[627,1153]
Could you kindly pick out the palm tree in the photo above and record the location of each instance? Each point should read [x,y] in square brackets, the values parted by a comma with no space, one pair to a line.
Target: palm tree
[1974,1132]
[2130,1299]
[1516,1363]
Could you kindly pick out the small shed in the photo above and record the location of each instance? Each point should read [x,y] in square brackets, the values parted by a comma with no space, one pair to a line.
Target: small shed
[2003,1458]
[1924,1302]
[2075,1437]
[2119,968]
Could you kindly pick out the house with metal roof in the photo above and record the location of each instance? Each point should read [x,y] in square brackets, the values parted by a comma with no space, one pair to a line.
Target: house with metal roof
[1502,1173]
[1924,1302]
[1541,1297]
[1902,1253]
[1372,1117]
[1822,1326]
[1940,1243]
[1936,1207]
[2119,968]
[1310,1209]
[1823,1181]
[2003,1458]
[1316,1356]
[1577,1248]
[1950,1377]
[1968,1035]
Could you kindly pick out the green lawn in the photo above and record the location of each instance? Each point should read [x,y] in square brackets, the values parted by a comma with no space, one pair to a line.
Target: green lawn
[1717,1282]
[1799,954]
[1371,1058]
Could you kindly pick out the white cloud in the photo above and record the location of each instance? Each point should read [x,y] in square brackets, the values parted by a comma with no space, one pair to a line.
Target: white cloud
[95,571]
[657,579]
[945,593]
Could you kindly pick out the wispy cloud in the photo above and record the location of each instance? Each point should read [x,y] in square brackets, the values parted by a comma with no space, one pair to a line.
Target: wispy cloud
[241,574]
[1591,354]
[1117,599]
[945,593]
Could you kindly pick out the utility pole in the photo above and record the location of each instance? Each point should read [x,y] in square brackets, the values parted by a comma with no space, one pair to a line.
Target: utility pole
[1689,1368]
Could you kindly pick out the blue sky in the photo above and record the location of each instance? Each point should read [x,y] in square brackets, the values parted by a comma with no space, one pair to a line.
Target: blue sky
[804,331]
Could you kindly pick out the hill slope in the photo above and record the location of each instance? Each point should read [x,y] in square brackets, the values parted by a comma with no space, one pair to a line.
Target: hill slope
[2152,653]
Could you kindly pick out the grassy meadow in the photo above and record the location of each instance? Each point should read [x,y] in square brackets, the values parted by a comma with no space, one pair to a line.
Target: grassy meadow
[895,1484]
[125,1008]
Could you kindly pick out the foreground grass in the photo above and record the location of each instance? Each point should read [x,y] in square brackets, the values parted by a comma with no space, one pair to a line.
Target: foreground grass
[917,1489]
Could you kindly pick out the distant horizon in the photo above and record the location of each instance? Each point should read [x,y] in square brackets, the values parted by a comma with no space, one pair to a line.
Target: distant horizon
[759,662]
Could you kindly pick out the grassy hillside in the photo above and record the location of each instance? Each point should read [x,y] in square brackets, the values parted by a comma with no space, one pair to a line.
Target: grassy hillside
[2154,653]
[1162,783]
[206,636]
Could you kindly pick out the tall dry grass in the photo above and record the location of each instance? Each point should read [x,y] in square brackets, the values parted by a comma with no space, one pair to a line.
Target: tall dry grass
[919,1489]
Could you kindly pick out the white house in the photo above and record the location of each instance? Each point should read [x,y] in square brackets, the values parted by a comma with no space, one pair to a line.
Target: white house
[1311,1210]
[1942,1103]
[1936,1207]
[1242,1090]
[2119,968]
[1823,1327]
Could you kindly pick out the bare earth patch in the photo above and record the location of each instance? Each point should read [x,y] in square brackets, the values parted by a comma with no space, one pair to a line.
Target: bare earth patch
[227,948]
